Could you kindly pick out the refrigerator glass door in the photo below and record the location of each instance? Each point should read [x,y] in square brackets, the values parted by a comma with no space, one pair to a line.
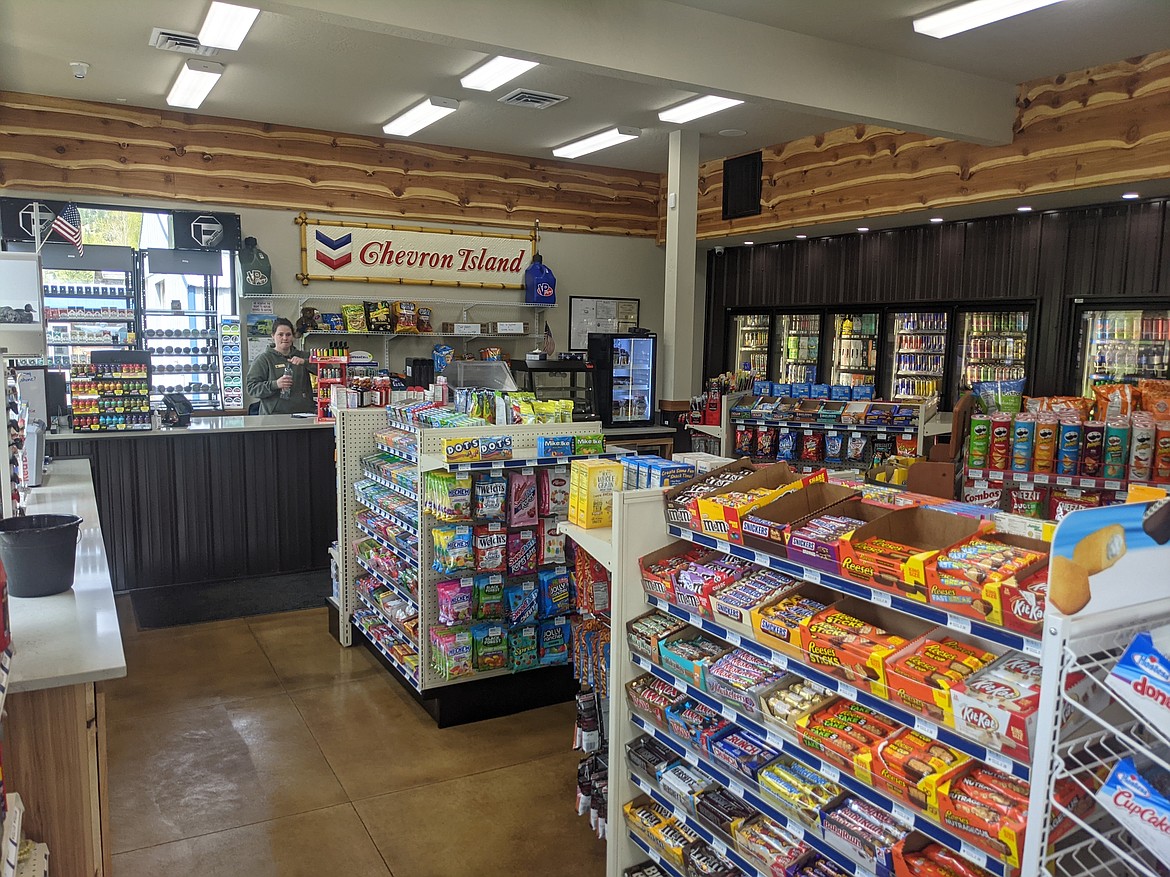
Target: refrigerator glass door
[633,379]
[796,348]
[993,346]
[749,343]
[919,349]
[1120,346]
[855,349]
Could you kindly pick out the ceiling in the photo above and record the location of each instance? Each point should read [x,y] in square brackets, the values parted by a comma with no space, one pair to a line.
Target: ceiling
[802,67]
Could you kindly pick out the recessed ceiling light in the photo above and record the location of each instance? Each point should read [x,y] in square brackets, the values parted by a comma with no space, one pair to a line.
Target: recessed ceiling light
[1132,196]
[749,243]
[863,228]
[937,219]
[226,25]
[1024,208]
[195,80]
[497,71]
[420,115]
[697,108]
[732,132]
[801,237]
[594,142]
[976,13]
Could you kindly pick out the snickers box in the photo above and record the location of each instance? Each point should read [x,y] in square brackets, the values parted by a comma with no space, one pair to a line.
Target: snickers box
[824,553]
[768,527]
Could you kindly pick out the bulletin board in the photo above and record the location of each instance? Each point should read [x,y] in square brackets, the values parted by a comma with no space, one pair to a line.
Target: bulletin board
[589,314]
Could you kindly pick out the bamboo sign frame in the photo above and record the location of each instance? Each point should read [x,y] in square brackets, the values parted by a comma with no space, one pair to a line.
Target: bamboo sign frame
[367,252]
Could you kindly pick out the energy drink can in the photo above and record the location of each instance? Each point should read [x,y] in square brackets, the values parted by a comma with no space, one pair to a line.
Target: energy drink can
[1023,443]
[1044,457]
[1116,453]
[1068,454]
[1093,448]
[1000,448]
[978,441]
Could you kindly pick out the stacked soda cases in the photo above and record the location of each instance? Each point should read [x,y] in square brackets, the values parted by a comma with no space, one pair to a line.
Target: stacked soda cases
[796,350]
[749,342]
[855,349]
[919,348]
[993,346]
[1123,346]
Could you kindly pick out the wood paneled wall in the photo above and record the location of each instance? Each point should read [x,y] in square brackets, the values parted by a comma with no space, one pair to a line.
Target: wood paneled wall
[1105,125]
[110,149]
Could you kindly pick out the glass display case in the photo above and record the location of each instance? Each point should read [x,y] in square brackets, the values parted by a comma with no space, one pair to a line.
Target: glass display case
[918,354]
[993,346]
[750,337]
[559,379]
[796,353]
[1122,345]
[855,349]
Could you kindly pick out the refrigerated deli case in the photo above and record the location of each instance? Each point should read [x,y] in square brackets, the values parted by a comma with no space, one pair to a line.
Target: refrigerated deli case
[1121,345]
[625,374]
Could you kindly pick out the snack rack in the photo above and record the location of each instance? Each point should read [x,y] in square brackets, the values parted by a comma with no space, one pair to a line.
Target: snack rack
[356,430]
[639,528]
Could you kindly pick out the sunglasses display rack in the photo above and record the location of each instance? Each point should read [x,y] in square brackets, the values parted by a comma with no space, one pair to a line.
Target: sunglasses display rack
[232,363]
[187,356]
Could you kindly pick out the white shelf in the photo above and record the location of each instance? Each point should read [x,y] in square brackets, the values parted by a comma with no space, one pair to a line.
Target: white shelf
[402,592]
[400,553]
[707,429]
[430,462]
[12,824]
[596,542]
[37,864]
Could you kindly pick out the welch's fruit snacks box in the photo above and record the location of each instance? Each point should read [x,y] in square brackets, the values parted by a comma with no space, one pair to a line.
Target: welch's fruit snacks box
[1138,801]
[1141,677]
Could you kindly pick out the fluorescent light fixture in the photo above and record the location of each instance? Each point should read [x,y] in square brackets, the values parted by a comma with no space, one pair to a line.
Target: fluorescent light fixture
[497,71]
[801,237]
[420,115]
[226,25]
[937,219]
[863,228]
[1132,196]
[195,80]
[976,13]
[697,108]
[594,142]
[1023,208]
[749,243]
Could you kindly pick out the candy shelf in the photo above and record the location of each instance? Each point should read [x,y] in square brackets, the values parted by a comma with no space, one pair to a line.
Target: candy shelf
[923,611]
[398,552]
[430,462]
[847,429]
[402,455]
[373,606]
[850,692]
[392,517]
[665,866]
[389,583]
[390,485]
[407,674]
[89,320]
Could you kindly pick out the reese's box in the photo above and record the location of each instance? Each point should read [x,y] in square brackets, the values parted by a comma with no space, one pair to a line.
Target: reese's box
[682,500]
[814,541]
[922,674]
[880,552]
[767,528]
[721,513]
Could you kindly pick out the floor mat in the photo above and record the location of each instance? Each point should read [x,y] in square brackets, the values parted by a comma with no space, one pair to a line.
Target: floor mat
[173,605]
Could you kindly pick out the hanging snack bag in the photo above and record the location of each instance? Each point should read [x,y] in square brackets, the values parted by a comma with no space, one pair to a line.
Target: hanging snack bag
[490,646]
[522,552]
[1067,499]
[455,598]
[490,497]
[1005,396]
[906,445]
[556,594]
[441,356]
[355,317]
[523,647]
[785,446]
[552,542]
[812,447]
[1026,502]
[405,318]
[554,642]
[765,443]
[745,440]
[554,491]
[1115,400]
[857,452]
[521,602]
[425,324]
[378,316]
[491,548]
[453,549]
[522,505]
[487,602]
[834,447]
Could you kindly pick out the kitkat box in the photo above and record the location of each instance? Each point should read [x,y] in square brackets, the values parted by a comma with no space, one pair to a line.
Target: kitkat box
[682,508]
[721,513]
[823,552]
[882,552]
[767,528]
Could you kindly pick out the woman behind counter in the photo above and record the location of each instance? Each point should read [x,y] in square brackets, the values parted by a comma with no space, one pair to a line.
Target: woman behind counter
[279,377]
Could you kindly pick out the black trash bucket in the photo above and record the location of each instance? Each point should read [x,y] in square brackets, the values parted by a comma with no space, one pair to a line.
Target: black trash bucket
[39,553]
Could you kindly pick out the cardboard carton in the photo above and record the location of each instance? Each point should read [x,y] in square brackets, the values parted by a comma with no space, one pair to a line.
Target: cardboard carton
[682,509]
[919,694]
[767,528]
[824,554]
[723,519]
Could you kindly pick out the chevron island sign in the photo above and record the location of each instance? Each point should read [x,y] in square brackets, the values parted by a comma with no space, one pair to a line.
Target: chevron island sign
[362,252]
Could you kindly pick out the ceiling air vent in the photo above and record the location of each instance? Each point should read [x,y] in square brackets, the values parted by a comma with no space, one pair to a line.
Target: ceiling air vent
[533,100]
[177,41]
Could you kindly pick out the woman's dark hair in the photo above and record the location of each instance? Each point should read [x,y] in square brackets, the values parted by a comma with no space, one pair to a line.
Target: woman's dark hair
[283,321]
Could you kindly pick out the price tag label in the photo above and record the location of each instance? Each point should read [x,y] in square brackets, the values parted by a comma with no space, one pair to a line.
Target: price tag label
[527,470]
[903,813]
[784,429]
[812,575]
[1041,479]
[1113,485]
[736,788]
[1032,647]
[831,432]
[1064,480]
[734,638]
[999,761]
[926,728]
[774,739]
[981,485]
[497,467]
[780,661]
[958,622]
[972,853]
[1019,476]
[847,691]
[830,773]
[728,713]
[1088,482]
[881,598]
[719,846]
[690,757]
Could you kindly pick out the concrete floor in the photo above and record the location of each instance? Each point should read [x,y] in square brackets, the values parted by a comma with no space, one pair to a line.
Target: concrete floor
[261,747]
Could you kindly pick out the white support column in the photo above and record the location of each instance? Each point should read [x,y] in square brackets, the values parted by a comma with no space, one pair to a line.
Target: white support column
[678,324]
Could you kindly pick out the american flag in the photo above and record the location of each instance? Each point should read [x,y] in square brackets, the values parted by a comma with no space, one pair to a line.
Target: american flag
[68,225]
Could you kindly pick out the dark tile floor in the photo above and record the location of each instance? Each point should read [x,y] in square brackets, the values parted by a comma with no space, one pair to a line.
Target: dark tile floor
[260,746]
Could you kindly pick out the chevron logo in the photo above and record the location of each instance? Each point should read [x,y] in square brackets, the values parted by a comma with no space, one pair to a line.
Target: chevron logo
[334,252]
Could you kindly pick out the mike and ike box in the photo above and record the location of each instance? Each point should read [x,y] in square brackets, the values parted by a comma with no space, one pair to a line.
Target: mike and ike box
[721,514]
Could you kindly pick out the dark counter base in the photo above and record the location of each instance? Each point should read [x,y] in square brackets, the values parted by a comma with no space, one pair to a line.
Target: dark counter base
[205,507]
[481,699]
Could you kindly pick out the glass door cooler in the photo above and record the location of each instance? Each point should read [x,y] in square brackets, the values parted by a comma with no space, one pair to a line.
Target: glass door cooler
[993,346]
[1118,346]
[748,350]
[796,348]
[918,348]
[855,349]
[625,367]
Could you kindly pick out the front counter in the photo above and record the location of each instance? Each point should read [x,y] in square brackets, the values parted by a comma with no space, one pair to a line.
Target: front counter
[225,498]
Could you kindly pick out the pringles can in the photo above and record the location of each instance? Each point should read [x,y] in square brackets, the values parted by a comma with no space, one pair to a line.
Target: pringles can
[1141,448]
[1023,442]
[1044,457]
[1000,447]
[978,442]
[1116,453]
[1093,448]
[1162,452]
[1068,454]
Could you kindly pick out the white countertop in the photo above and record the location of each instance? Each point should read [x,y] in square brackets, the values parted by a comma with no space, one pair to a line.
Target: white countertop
[72,637]
[205,425]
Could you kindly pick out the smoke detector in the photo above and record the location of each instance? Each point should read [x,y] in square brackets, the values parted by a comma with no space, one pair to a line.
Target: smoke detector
[80,69]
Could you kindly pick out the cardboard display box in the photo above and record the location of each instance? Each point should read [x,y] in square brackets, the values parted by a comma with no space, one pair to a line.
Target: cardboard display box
[767,528]
[922,693]
[723,518]
[780,635]
[824,554]
[682,509]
